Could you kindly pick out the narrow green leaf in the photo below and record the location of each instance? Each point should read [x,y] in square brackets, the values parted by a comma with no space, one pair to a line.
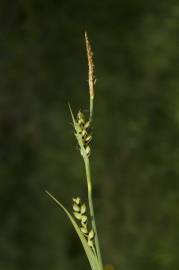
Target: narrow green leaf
[72,115]
[89,253]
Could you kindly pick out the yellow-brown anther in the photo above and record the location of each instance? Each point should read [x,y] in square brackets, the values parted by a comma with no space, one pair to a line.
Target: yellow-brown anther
[91,78]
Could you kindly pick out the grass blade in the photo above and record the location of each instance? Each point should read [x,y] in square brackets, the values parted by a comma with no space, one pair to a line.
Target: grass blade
[90,255]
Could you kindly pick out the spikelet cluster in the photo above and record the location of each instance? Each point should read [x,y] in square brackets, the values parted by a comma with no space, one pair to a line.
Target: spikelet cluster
[79,211]
[83,131]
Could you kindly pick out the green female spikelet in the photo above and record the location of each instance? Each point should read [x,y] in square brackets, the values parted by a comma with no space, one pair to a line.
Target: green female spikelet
[80,214]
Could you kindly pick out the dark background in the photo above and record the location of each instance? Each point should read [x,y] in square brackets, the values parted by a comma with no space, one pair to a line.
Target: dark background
[135,152]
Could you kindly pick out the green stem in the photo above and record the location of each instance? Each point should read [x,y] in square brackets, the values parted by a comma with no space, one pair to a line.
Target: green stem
[91,109]
[91,208]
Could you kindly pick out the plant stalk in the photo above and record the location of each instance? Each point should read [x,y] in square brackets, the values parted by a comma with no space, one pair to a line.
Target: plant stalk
[91,109]
[91,208]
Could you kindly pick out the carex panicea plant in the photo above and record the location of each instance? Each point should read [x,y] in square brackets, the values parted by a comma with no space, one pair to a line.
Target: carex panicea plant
[83,223]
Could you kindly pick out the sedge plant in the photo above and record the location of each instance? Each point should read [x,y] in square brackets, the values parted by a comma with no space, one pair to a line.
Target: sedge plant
[84,224]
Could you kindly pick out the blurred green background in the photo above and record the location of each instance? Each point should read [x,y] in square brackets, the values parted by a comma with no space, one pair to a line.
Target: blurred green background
[135,151]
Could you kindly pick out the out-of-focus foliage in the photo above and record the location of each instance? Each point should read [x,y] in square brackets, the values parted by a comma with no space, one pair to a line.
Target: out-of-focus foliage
[136,147]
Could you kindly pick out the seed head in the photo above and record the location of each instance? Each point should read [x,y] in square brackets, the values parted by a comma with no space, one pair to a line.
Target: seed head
[80,214]
[84,230]
[83,209]
[84,219]
[77,200]
[76,208]
[80,118]
[88,150]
